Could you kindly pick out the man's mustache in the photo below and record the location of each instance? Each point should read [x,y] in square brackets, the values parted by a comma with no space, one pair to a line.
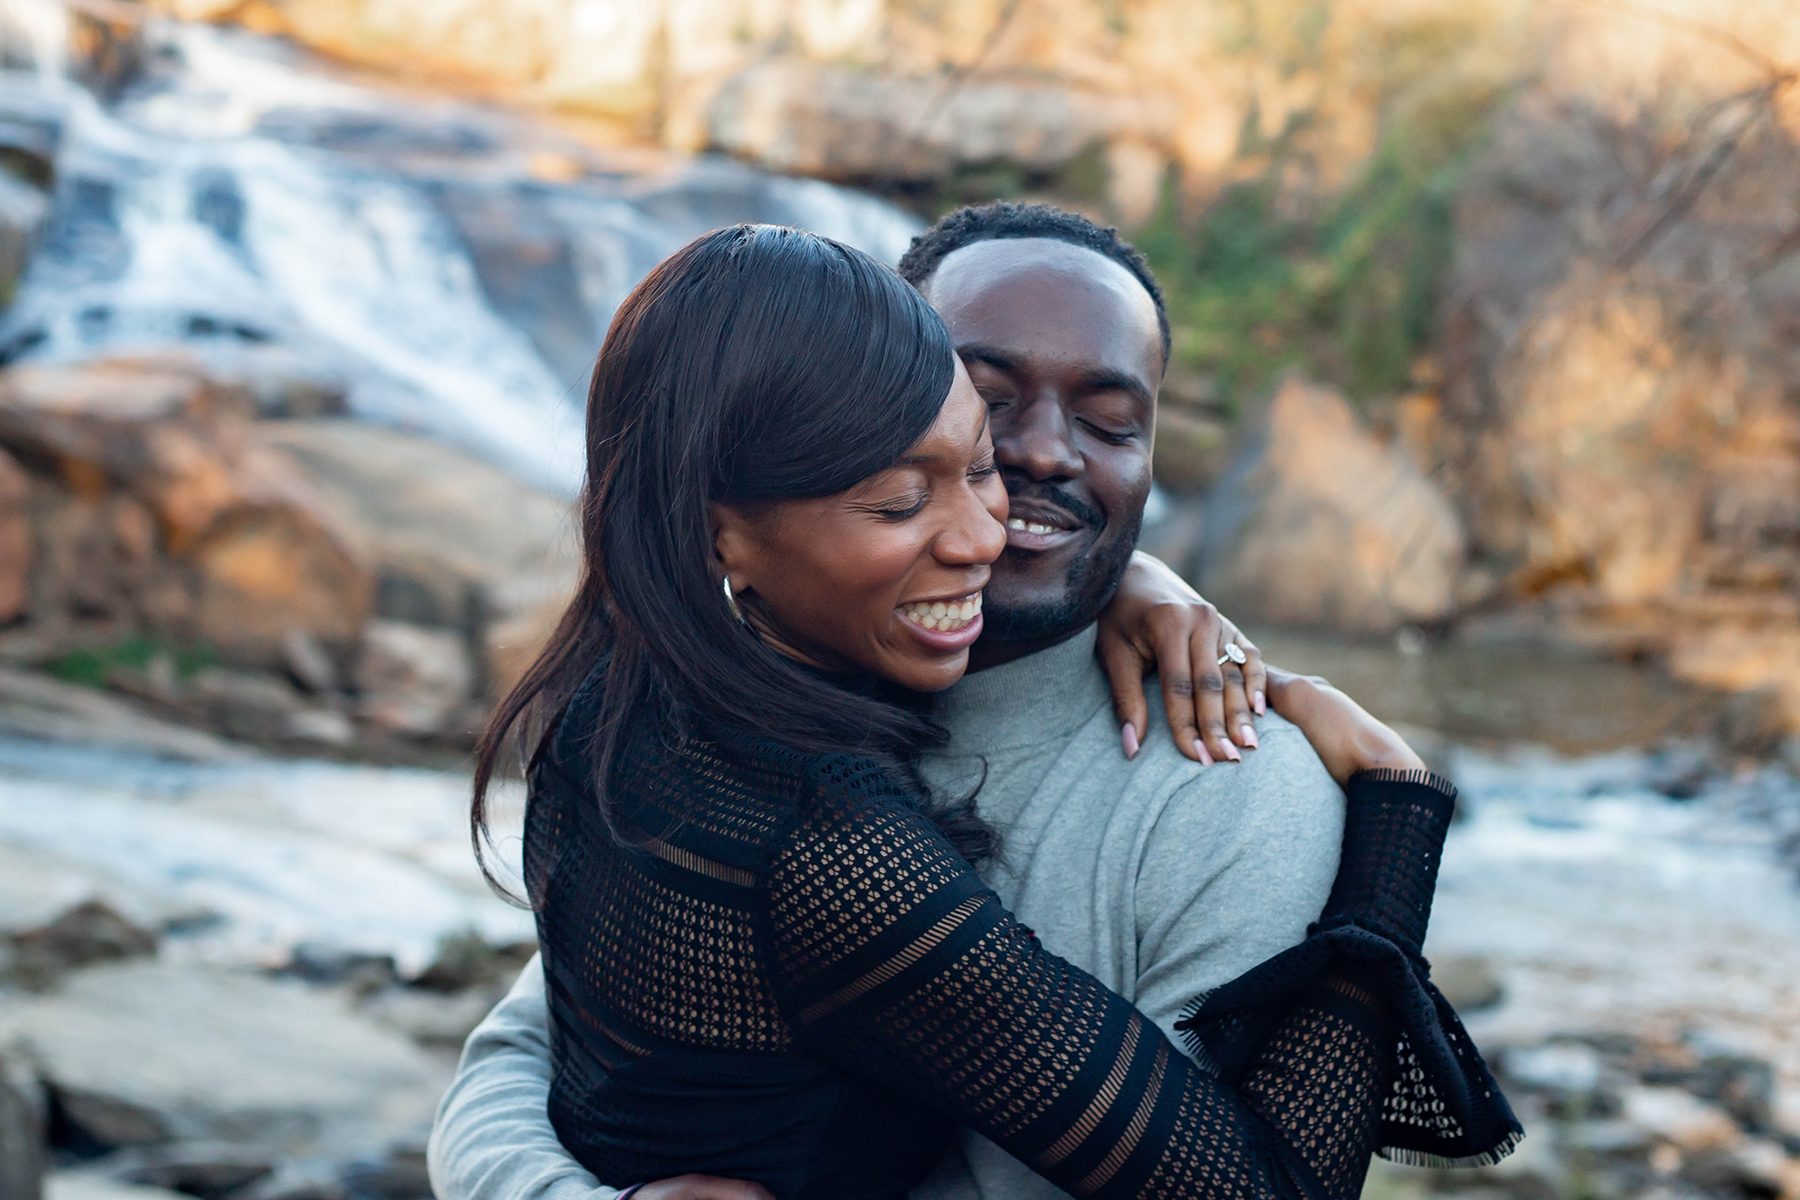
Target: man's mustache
[1019,488]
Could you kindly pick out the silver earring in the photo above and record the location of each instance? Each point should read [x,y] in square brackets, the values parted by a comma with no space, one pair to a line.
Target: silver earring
[732,604]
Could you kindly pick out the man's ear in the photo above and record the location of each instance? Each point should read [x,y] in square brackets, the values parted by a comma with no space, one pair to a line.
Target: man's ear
[735,547]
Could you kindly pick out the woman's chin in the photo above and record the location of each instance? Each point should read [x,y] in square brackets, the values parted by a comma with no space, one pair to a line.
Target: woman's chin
[921,673]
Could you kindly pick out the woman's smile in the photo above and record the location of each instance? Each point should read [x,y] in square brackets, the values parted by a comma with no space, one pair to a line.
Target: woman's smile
[946,625]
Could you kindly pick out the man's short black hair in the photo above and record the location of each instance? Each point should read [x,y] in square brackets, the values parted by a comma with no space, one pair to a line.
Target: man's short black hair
[1006,219]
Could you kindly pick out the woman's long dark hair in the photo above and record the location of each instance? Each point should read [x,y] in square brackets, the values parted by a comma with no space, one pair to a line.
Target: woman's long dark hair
[755,364]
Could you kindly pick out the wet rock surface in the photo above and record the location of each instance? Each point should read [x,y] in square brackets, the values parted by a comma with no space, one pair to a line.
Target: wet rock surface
[152,1053]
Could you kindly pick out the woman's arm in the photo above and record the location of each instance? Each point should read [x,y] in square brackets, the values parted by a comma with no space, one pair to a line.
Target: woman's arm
[1157,622]
[1343,734]
[894,962]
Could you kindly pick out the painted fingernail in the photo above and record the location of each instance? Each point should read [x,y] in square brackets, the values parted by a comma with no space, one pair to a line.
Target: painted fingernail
[1256,702]
[1206,759]
[1249,732]
[1231,752]
[1129,737]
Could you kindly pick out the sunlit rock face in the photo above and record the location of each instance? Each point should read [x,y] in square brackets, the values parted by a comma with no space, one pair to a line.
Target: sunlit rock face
[1617,421]
[1319,524]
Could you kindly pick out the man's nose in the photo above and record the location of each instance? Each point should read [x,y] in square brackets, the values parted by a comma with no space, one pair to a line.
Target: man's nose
[1036,438]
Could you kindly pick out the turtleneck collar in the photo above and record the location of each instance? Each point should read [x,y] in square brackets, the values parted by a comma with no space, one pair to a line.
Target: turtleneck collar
[1039,698]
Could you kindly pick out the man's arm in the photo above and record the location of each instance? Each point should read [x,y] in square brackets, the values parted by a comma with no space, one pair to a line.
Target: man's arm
[492,1139]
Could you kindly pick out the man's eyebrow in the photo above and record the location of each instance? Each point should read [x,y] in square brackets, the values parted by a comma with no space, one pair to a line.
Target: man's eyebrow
[1117,381]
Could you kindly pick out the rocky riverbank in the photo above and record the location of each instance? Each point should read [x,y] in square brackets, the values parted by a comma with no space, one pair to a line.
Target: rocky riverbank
[246,981]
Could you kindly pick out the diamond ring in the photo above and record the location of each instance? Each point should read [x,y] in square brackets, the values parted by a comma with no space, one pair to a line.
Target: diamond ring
[1233,653]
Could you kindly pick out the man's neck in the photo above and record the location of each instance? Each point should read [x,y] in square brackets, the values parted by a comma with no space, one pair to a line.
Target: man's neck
[991,652]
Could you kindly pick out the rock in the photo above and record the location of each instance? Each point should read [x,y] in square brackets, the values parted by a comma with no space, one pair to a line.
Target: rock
[1320,524]
[453,540]
[838,122]
[15,540]
[1680,1118]
[1190,449]
[431,1018]
[1570,1067]
[308,662]
[362,973]
[164,462]
[37,706]
[261,707]
[207,1170]
[468,960]
[150,1053]
[1740,1084]
[1468,981]
[400,1175]
[1679,771]
[90,932]
[1622,450]
[1754,1167]
[410,678]
[22,1129]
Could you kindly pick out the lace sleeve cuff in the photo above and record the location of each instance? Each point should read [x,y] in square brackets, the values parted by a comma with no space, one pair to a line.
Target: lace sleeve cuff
[1445,1108]
[1394,828]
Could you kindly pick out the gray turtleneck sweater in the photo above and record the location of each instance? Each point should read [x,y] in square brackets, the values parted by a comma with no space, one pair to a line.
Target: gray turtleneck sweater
[1160,877]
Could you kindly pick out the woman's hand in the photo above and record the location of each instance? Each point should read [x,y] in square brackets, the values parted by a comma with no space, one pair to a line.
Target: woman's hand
[1156,621]
[700,1187]
[1345,737]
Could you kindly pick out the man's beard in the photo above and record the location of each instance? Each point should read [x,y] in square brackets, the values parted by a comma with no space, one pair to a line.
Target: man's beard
[1092,580]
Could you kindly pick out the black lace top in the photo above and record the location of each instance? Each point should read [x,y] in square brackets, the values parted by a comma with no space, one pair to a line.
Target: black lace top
[780,971]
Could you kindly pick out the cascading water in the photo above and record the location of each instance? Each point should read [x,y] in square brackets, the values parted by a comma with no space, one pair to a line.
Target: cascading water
[236,201]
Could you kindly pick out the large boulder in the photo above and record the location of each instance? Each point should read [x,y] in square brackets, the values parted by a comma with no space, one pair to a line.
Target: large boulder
[1319,523]
[1617,420]
[455,543]
[146,1053]
[159,509]
[15,540]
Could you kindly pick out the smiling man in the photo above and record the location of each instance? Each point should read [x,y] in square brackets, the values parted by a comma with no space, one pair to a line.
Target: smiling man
[1160,876]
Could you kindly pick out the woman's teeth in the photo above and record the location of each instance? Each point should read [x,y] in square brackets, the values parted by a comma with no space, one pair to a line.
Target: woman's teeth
[941,616]
[1024,526]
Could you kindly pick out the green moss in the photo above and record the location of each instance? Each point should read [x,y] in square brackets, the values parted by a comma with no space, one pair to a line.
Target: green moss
[94,667]
[1346,289]
[1348,293]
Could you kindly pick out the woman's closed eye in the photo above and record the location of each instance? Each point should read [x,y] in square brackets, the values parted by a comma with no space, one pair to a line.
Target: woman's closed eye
[901,507]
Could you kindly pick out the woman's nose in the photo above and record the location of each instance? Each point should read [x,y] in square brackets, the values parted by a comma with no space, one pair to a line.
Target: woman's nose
[973,536]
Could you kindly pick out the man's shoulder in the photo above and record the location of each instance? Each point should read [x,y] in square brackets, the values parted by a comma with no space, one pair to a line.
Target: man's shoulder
[1281,782]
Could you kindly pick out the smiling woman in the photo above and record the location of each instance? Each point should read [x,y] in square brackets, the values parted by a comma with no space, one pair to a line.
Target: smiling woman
[777,414]
[906,604]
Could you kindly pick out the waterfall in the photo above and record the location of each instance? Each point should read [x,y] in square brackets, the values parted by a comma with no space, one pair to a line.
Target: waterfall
[233,199]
